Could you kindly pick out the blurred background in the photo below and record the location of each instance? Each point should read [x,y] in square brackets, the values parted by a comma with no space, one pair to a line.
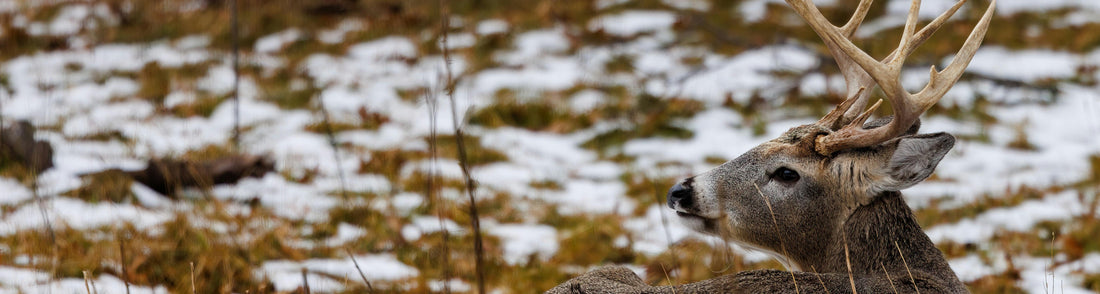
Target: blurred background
[247,146]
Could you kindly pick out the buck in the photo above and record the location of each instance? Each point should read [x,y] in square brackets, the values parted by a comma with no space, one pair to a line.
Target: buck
[823,197]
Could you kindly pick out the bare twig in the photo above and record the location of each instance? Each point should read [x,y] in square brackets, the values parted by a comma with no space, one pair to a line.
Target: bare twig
[305,281]
[433,195]
[475,220]
[361,275]
[335,149]
[236,76]
[46,219]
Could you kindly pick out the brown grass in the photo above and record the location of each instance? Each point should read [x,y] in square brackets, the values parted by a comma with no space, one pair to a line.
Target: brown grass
[187,255]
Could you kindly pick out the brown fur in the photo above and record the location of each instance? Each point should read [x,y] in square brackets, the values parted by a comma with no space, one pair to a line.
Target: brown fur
[845,208]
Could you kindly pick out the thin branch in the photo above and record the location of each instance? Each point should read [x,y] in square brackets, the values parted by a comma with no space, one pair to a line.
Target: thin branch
[335,149]
[433,195]
[305,281]
[475,219]
[234,28]
[370,288]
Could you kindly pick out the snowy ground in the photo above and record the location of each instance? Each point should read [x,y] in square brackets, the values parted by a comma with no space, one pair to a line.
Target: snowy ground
[75,93]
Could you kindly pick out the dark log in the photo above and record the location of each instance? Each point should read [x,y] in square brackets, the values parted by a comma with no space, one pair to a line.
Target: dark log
[167,176]
[17,142]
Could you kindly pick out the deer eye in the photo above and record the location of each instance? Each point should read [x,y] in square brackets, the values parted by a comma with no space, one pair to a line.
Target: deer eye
[785,175]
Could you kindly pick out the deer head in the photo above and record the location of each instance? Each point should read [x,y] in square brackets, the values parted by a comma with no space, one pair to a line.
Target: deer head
[793,195]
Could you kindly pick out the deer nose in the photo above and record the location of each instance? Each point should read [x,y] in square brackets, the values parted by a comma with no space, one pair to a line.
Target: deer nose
[681,193]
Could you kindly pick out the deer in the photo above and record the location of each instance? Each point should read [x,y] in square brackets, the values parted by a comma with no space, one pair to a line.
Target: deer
[824,198]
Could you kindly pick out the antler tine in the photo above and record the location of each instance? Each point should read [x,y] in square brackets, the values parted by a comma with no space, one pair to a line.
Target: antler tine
[861,79]
[907,107]
[857,81]
[857,18]
[941,81]
[907,33]
[933,26]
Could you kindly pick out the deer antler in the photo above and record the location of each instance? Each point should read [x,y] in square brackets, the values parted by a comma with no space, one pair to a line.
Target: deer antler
[848,127]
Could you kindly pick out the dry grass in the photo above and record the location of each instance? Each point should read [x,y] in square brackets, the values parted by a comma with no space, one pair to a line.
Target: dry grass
[223,263]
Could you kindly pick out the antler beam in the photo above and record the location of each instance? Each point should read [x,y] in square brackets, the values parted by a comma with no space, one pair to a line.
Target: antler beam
[849,132]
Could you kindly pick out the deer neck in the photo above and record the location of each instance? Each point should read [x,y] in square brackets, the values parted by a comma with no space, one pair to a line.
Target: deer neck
[875,234]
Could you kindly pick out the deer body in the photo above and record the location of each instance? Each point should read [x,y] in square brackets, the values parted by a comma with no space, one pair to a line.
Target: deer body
[881,270]
[820,231]
[824,197]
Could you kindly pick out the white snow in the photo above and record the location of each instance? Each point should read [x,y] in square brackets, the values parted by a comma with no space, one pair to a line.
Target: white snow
[523,240]
[383,49]
[745,74]
[345,233]
[1058,207]
[1010,7]
[533,44]
[287,275]
[336,35]
[275,42]
[14,192]
[1023,65]
[970,268]
[20,280]
[459,41]
[80,215]
[492,26]
[633,22]
[287,199]
[86,91]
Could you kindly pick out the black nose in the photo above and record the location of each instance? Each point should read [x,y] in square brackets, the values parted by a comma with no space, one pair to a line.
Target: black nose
[681,193]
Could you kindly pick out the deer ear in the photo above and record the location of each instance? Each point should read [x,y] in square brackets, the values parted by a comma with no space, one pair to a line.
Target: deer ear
[914,159]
